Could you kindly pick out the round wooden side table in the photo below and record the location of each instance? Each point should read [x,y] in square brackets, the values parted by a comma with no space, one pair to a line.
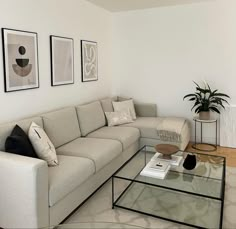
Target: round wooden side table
[213,146]
[166,150]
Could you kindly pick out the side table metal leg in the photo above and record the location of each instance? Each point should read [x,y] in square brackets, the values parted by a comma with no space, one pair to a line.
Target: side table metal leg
[216,133]
[112,192]
[213,144]
[201,132]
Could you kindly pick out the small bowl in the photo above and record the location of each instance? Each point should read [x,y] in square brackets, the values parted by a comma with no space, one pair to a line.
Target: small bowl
[166,150]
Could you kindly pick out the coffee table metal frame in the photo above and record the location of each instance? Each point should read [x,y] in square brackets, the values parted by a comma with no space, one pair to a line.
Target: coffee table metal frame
[114,201]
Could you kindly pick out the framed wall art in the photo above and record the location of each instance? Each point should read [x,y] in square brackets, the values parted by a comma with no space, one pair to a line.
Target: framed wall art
[89,60]
[62,60]
[20,57]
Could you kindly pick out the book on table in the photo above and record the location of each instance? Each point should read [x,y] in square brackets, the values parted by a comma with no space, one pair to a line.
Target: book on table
[156,169]
[174,161]
[158,165]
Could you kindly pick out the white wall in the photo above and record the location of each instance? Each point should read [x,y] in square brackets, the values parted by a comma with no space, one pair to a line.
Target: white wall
[159,52]
[77,19]
[156,53]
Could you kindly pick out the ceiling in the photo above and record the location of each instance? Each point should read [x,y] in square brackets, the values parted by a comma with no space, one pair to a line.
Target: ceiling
[125,5]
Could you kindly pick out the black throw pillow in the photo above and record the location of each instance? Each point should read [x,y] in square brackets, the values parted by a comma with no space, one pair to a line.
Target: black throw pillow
[19,143]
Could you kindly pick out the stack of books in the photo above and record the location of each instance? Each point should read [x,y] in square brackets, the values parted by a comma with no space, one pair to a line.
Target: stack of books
[156,168]
[174,161]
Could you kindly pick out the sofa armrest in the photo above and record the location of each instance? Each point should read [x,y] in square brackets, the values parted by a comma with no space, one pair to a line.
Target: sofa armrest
[146,109]
[23,192]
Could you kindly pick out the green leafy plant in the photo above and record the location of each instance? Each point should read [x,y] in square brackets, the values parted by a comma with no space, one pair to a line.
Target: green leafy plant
[206,99]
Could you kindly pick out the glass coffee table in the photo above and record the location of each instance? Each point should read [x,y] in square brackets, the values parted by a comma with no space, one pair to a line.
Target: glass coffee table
[190,197]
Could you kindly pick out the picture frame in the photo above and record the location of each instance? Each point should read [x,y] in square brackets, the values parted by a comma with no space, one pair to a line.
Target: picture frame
[62,60]
[89,61]
[20,60]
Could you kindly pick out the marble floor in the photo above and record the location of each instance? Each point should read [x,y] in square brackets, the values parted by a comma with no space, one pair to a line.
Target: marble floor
[98,209]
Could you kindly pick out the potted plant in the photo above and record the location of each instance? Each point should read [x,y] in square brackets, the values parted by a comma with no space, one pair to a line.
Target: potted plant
[206,100]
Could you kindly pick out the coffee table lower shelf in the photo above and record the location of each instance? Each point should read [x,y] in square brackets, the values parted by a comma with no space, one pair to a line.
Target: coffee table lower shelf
[179,207]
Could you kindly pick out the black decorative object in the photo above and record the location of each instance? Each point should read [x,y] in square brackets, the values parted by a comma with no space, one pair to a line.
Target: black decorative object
[19,143]
[190,162]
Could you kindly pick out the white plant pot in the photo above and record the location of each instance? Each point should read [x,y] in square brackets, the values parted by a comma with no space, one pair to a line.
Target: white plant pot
[204,115]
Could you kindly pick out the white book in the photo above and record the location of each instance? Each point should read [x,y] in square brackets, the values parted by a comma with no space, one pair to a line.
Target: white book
[156,169]
[158,165]
[154,173]
[175,159]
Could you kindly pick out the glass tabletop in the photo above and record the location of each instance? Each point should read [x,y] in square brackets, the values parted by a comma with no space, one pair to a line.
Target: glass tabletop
[95,225]
[206,179]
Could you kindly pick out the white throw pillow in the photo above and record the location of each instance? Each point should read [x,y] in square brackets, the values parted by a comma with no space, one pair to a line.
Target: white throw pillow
[42,144]
[118,117]
[127,104]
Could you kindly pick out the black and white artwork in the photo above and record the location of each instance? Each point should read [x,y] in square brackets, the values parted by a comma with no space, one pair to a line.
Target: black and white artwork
[89,60]
[62,60]
[20,56]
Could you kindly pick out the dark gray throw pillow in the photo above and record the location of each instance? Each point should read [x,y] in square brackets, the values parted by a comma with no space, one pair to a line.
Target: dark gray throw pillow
[19,143]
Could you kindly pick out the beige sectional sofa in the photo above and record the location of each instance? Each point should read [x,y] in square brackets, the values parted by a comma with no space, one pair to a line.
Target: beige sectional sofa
[33,195]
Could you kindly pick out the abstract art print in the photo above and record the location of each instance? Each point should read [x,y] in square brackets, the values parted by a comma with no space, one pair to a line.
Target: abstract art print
[89,61]
[62,60]
[20,56]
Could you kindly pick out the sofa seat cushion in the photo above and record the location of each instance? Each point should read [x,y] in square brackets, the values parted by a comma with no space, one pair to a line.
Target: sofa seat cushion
[126,135]
[148,127]
[68,175]
[100,151]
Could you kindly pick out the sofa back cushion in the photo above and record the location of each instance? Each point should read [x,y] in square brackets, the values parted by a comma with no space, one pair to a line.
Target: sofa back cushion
[91,117]
[107,104]
[6,129]
[61,126]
